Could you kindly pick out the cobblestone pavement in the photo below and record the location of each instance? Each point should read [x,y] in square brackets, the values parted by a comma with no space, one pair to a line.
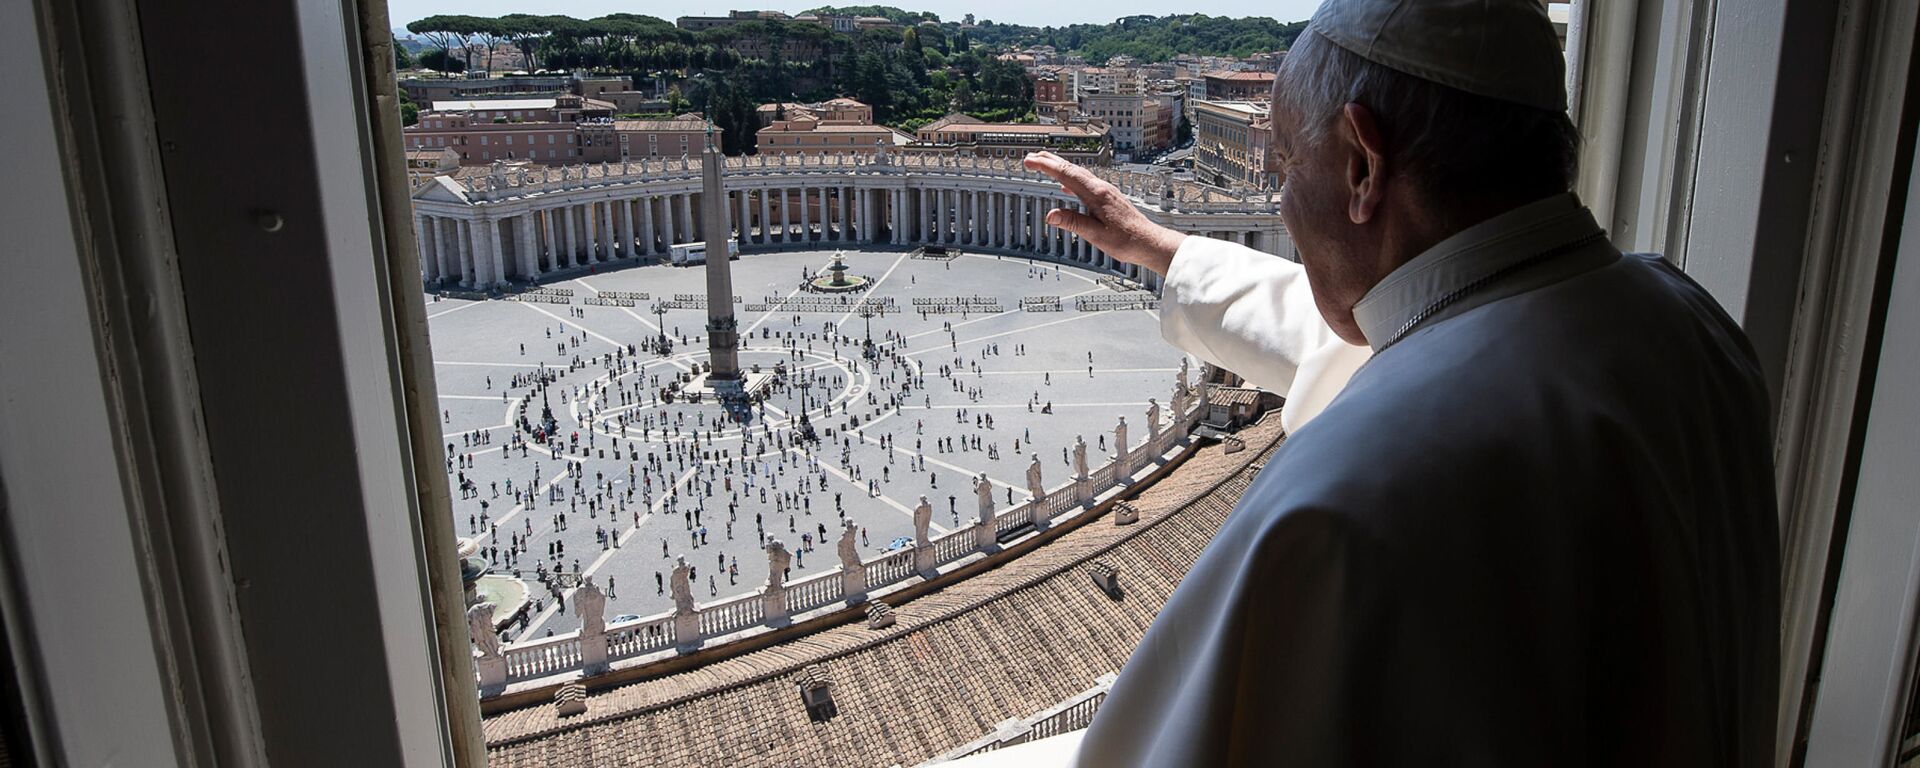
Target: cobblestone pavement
[642,470]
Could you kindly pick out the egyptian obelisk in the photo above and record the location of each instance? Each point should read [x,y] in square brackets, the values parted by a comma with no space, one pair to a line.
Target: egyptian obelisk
[723,336]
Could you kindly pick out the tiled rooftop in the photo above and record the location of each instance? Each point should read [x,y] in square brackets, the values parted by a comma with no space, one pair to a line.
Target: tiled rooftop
[1003,644]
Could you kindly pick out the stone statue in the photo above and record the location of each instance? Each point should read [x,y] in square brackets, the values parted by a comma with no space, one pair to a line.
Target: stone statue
[480,625]
[682,589]
[1034,486]
[777,560]
[849,549]
[1180,384]
[1079,457]
[1120,437]
[922,519]
[1153,418]
[983,488]
[591,604]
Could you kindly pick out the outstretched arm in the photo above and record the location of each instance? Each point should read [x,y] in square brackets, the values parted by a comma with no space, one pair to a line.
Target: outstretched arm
[1249,312]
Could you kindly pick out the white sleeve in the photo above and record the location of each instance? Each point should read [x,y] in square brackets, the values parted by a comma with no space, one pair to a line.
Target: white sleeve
[1246,311]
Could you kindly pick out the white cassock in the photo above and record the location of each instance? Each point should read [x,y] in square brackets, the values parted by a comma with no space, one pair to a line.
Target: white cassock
[1537,527]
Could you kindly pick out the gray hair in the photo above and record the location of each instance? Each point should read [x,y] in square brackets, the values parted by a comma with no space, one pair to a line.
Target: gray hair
[1449,143]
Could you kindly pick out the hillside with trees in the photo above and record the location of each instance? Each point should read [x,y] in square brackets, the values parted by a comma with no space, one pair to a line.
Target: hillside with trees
[1151,38]
[911,75]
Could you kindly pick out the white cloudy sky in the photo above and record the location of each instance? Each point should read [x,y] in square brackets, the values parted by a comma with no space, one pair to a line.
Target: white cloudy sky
[1010,11]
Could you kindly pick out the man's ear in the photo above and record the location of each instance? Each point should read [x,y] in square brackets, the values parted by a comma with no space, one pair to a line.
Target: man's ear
[1366,163]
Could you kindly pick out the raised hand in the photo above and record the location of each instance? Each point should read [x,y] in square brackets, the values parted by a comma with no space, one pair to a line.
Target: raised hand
[1111,222]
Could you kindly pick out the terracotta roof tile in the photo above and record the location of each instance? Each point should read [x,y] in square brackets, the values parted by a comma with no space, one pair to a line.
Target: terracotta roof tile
[1005,643]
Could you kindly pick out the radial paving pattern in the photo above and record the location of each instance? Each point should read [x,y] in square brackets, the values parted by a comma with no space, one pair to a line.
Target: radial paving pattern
[646,476]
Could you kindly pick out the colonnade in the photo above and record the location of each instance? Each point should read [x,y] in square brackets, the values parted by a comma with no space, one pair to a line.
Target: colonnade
[480,246]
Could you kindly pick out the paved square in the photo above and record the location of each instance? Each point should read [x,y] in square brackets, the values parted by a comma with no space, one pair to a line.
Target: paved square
[634,476]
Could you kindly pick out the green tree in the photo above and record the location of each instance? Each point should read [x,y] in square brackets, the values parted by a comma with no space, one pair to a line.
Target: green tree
[401,59]
[439,59]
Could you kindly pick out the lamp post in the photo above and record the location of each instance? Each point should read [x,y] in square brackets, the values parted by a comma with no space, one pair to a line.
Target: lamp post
[660,314]
[867,313]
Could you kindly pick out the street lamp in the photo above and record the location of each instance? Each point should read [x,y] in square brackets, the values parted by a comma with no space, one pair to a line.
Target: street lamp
[867,312]
[660,315]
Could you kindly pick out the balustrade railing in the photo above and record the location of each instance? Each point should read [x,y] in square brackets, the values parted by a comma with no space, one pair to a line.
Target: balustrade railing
[953,546]
[543,657]
[1062,500]
[1014,518]
[549,656]
[640,637]
[1103,477]
[890,568]
[814,591]
[730,615]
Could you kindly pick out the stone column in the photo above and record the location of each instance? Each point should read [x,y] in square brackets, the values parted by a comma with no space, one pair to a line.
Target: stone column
[831,222]
[572,238]
[899,234]
[589,233]
[996,217]
[1015,222]
[843,206]
[744,218]
[667,209]
[488,260]
[607,251]
[982,223]
[550,227]
[806,219]
[684,223]
[860,217]
[496,256]
[786,215]
[647,245]
[949,217]
[529,261]
[627,249]
[926,216]
[462,253]
[766,219]
[969,229]
[892,202]
[966,229]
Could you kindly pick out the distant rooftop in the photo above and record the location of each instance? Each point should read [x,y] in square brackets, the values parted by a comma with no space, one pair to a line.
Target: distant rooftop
[672,124]
[493,105]
[1250,77]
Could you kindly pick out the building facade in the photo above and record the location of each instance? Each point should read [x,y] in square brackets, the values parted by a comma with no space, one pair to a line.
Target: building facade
[483,137]
[1086,143]
[1239,86]
[1230,144]
[806,136]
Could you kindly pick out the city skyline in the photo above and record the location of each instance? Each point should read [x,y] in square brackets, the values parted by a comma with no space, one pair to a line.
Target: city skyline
[402,12]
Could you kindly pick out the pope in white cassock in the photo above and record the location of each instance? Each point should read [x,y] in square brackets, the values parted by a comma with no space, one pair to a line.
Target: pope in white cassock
[1525,511]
